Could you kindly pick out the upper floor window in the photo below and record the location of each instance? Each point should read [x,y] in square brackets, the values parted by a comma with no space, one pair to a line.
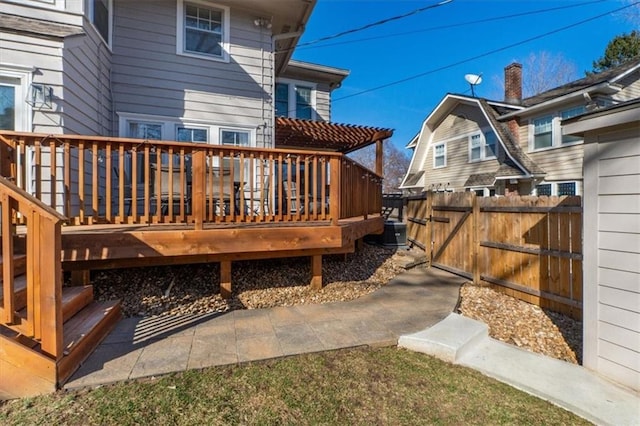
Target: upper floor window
[439,155]
[101,16]
[546,131]
[295,100]
[568,113]
[543,132]
[203,30]
[482,146]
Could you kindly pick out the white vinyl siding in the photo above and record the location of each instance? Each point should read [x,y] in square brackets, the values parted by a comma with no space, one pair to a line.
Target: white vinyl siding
[612,254]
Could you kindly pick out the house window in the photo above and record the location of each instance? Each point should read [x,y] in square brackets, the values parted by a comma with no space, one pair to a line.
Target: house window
[557,189]
[189,134]
[482,146]
[295,99]
[439,156]
[546,132]
[234,137]
[566,139]
[282,100]
[566,188]
[8,105]
[15,113]
[543,189]
[101,16]
[543,132]
[203,30]
[303,102]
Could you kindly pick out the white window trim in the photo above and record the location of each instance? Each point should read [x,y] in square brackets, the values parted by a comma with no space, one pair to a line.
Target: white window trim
[90,17]
[24,111]
[292,96]
[180,29]
[49,4]
[170,127]
[556,132]
[483,145]
[444,144]
[554,187]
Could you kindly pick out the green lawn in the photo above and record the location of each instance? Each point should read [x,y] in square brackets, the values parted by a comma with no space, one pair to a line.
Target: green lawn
[387,386]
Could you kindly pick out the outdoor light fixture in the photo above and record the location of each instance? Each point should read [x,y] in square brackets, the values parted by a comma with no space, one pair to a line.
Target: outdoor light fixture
[40,95]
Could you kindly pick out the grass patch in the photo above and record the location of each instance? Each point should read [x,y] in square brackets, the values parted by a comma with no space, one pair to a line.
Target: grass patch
[356,387]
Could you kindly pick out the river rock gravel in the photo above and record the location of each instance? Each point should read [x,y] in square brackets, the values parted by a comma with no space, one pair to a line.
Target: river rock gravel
[194,289]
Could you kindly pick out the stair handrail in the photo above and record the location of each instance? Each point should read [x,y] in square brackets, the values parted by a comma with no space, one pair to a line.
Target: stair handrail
[43,224]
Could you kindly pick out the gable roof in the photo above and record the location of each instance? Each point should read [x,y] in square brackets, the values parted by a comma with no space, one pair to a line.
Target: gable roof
[609,76]
[517,156]
[322,135]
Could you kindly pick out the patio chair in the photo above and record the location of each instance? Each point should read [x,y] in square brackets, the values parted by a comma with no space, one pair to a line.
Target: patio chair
[257,199]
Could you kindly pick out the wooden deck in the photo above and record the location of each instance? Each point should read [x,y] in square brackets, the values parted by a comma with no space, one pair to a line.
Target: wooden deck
[97,203]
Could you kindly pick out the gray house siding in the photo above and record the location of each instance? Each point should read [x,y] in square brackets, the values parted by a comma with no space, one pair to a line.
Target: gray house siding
[612,254]
[150,78]
[87,100]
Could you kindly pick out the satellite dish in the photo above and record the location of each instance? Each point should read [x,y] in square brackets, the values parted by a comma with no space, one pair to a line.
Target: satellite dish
[473,80]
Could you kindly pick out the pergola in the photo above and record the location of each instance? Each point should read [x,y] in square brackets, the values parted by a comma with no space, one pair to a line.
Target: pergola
[325,136]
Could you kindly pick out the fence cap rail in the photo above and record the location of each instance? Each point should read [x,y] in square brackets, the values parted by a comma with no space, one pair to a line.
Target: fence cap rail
[142,142]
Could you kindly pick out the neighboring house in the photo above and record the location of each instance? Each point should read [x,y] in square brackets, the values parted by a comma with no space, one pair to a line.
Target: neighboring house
[513,146]
[611,311]
[187,70]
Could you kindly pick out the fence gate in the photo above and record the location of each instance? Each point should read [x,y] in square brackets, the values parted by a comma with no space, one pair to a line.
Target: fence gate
[452,245]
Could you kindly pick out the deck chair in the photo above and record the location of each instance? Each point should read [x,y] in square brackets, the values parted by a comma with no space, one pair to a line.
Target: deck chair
[290,196]
[171,194]
[257,199]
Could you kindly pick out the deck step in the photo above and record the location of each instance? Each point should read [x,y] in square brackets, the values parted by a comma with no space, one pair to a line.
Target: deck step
[20,290]
[19,264]
[83,332]
[74,299]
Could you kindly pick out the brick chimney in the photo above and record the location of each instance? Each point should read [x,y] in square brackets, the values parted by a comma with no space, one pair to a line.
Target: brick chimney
[513,83]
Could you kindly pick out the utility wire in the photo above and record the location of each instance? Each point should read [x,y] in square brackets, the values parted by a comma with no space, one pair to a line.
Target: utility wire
[375,24]
[444,27]
[490,52]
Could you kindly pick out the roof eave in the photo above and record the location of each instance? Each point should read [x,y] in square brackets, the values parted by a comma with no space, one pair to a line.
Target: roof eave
[605,87]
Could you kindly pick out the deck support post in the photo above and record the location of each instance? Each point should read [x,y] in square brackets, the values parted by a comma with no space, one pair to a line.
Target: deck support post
[225,279]
[316,272]
[81,277]
[359,244]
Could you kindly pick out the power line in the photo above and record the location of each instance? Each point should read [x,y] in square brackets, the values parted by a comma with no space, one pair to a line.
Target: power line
[500,49]
[444,27]
[373,24]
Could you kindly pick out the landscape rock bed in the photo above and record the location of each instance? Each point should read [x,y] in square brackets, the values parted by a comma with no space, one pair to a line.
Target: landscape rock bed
[194,289]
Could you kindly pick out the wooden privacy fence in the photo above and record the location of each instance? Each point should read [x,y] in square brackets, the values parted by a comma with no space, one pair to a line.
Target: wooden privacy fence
[527,247]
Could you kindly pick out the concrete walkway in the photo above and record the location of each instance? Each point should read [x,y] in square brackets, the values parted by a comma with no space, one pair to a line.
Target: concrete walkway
[466,342]
[144,347]
[414,311]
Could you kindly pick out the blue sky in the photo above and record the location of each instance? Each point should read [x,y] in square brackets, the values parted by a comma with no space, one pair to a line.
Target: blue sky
[387,55]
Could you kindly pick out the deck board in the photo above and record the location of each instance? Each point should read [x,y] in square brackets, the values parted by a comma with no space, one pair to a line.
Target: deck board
[215,242]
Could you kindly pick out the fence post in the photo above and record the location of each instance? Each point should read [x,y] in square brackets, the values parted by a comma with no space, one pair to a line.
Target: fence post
[198,192]
[335,189]
[475,219]
[429,228]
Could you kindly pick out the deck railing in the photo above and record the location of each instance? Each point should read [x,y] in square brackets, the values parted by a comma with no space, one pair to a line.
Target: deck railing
[94,180]
[36,310]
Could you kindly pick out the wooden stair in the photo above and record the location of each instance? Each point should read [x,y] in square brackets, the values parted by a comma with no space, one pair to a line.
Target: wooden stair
[24,369]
